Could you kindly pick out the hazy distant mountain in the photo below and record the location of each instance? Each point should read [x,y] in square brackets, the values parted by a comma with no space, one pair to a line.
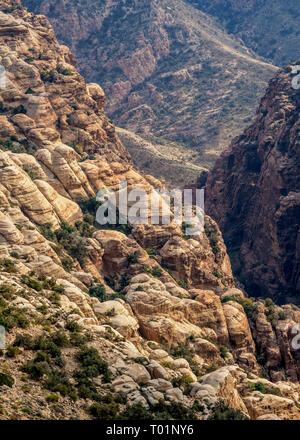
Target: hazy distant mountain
[270,27]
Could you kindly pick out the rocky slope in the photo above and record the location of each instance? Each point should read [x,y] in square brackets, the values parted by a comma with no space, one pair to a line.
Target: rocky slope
[177,164]
[249,20]
[253,194]
[169,71]
[140,322]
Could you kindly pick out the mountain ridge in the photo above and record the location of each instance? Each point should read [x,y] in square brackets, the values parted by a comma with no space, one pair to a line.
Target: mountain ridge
[168,70]
[249,20]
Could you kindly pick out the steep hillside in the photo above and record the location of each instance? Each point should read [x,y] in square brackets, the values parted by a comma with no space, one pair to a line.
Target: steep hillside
[128,322]
[168,70]
[177,164]
[253,193]
[269,27]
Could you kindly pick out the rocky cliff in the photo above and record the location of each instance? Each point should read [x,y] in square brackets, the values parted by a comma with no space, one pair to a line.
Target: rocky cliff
[169,71]
[253,194]
[121,322]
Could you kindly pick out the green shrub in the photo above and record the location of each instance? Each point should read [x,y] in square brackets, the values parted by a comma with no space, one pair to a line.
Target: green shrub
[25,341]
[18,146]
[77,339]
[141,360]
[59,382]
[85,387]
[46,231]
[12,351]
[157,271]
[6,379]
[50,284]
[269,302]
[73,327]
[223,352]
[6,291]
[131,259]
[259,386]
[181,381]
[30,173]
[67,263]
[11,317]
[104,411]
[7,265]
[91,363]
[85,229]
[47,345]
[69,238]
[183,284]
[63,71]
[52,398]
[249,306]
[60,339]
[282,315]
[136,412]
[151,252]
[173,410]
[99,292]
[262,388]
[32,283]
[198,407]
[222,411]
[89,206]
[48,75]
[36,370]
[41,356]
[89,218]
[19,109]
[182,351]
[251,311]
[55,298]
[217,274]
[213,237]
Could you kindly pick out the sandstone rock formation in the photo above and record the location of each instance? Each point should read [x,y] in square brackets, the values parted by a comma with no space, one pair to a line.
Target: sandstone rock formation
[102,322]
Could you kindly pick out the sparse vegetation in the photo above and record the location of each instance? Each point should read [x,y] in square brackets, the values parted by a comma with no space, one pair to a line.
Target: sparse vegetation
[222,411]
[155,271]
[6,379]
[7,265]
[212,234]
[99,291]
[223,352]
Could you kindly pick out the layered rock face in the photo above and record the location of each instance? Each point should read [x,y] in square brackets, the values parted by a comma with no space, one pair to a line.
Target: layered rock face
[171,75]
[116,321]
[253,194]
